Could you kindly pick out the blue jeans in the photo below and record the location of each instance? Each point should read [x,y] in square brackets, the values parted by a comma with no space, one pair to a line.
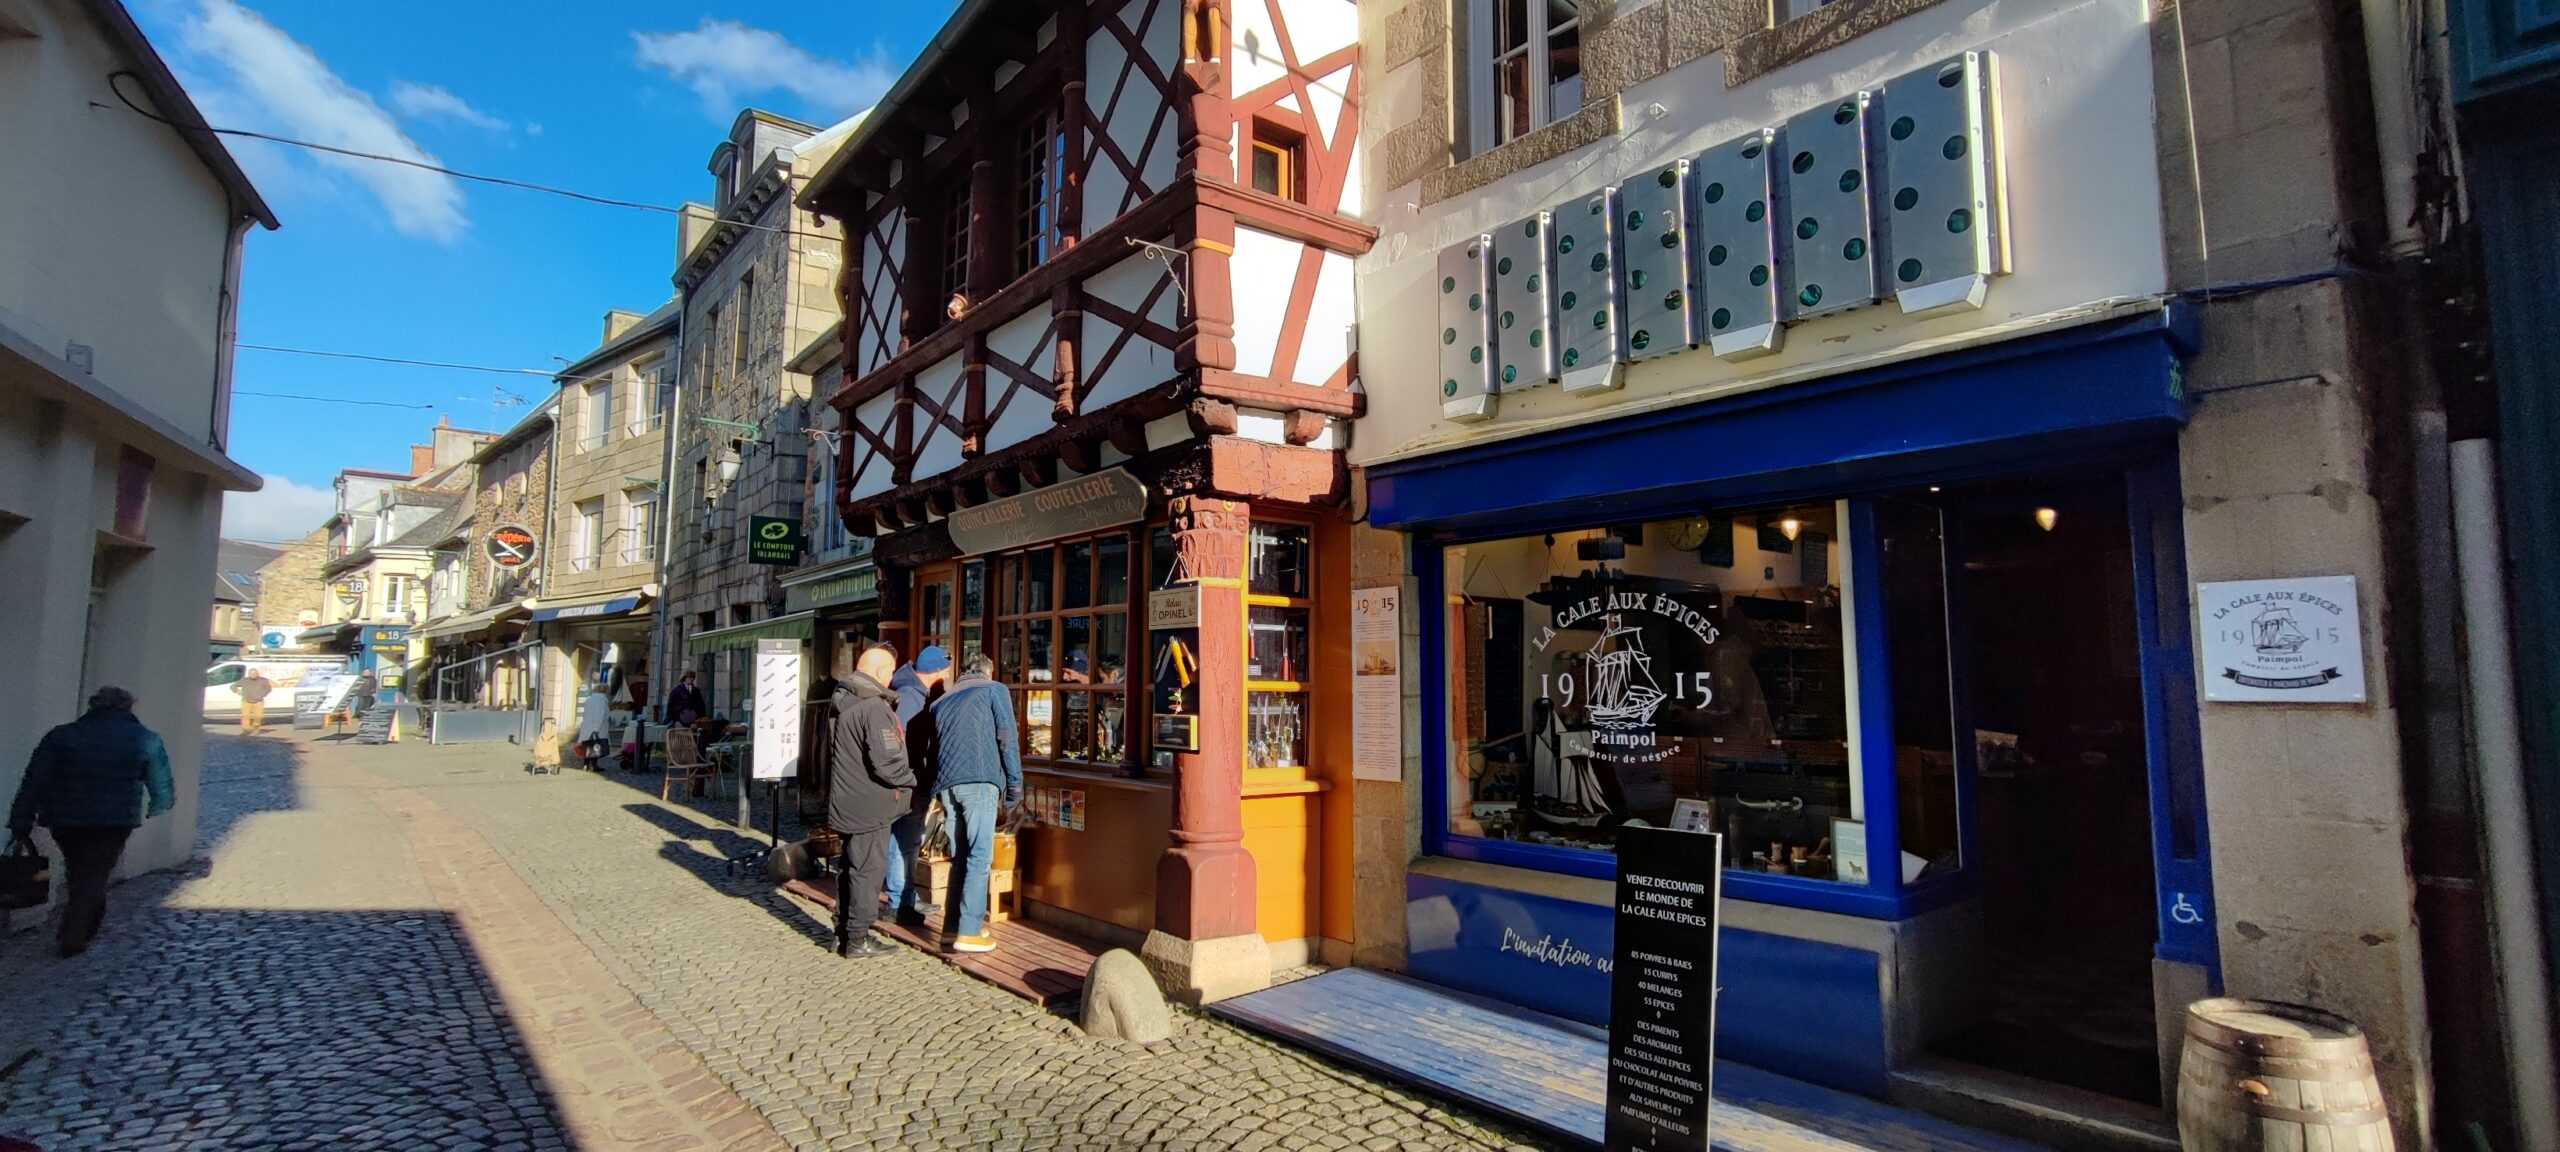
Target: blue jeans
[969,812]
[905,837]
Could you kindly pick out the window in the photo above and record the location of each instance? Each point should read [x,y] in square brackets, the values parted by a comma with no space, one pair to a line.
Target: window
[639,525]
[1532,71]
[599,415]
[1274,162]
[588,535]
[955,242]
[650,398]
[742,342]
[1043,159]
[710,350]
[1276,672]
[396,591]
[1062,643]
[1689,672]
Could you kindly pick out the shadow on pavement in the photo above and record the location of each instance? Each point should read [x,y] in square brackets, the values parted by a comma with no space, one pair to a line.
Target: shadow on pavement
[750,882]
[265,1029]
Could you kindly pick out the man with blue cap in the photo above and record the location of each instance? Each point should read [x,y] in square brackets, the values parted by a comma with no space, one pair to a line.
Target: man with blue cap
[915,685]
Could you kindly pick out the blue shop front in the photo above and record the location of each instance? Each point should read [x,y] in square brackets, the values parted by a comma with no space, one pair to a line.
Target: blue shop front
[1914,638]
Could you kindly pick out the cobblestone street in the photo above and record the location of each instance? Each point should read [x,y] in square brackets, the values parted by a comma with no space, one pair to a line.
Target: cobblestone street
[415,947]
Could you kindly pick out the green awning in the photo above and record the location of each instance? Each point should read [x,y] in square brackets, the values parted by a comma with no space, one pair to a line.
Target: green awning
[797,626]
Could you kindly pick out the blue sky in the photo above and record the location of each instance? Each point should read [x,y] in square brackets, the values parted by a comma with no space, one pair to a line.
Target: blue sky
[622,99]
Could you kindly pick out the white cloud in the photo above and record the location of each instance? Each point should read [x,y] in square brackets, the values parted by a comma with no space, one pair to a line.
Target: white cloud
[724,61]
[435,102]
[283,510]
[279,85]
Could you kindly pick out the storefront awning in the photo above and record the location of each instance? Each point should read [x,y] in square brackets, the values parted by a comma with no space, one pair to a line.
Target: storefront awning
[470,622]
[589,607]
[796,626]
[324,634]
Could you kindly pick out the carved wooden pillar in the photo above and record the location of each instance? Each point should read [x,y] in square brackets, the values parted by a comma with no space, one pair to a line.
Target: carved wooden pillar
[1066,308]
[1207,335]
[1204,946]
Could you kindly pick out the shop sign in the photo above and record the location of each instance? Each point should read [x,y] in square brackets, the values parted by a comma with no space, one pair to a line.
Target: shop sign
[777,733]
[1616,684]
[1377,694]
[386,637]
[350,590]
[510,546]
[1177,732]
[773,540]
[1175,607]
[2293,640]
[846,589]
[1662,989]
[1106,499]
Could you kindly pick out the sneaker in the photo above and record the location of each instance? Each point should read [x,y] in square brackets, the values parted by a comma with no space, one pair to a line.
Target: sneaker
[973,944]
[926,909]
[865,948]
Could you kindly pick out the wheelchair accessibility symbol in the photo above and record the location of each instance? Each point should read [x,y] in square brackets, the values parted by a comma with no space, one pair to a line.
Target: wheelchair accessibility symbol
[2182,912]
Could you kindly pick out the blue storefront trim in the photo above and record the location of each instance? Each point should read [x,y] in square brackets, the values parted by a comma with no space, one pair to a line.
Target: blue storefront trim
[2106,394]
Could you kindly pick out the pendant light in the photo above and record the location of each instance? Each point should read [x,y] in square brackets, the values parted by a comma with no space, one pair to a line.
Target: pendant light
[2046,518]
[1790,527]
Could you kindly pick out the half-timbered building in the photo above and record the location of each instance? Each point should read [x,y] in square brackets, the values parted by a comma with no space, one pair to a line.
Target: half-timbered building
[1097,283]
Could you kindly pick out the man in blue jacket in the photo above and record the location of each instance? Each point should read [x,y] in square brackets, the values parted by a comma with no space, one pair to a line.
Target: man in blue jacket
[91,783]
[978,761]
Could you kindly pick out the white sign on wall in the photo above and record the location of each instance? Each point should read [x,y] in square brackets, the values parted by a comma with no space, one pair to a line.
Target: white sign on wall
[777,740]
[1377,695]
[2293,640]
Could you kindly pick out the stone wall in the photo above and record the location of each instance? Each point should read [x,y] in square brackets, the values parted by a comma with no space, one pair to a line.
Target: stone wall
[2305,803]
[628,461]
[512,487]
[1386,833]
[290,584]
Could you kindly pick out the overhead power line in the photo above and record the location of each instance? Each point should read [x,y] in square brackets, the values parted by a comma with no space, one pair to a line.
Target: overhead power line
[403,360]
[330,400]
[114,84]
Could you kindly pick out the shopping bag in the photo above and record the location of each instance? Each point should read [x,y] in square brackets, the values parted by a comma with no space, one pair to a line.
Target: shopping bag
[26,877]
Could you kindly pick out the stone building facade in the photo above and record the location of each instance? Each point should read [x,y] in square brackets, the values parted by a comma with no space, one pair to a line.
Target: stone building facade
[756,285]
[511,482]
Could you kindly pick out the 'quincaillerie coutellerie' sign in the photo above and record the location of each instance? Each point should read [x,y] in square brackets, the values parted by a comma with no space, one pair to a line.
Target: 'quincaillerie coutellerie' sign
[1085,504]
[2295,640]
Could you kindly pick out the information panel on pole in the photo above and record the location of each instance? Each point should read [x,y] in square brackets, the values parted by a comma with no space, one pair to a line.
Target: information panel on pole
[777,728]
[1662,990]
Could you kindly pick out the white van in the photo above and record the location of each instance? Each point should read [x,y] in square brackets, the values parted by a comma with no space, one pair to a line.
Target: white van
[284,670]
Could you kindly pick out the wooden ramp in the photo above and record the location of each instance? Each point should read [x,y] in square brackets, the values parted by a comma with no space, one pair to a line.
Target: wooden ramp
[1034,961]
[1549,1073]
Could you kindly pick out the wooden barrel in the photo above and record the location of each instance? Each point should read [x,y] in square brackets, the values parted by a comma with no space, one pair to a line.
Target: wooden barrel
[2261,1075]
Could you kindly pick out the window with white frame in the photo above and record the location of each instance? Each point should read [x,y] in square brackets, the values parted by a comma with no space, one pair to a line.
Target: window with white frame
[639,525]
[1527,70]
[599,414]
[396,591]
[649,405]
[588,535]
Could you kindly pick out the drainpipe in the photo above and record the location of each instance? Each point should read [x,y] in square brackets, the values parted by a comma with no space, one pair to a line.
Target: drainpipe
[2524,978]
[666,663]
[226,333]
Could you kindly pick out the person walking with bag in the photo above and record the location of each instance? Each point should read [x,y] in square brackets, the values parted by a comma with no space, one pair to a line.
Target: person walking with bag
[91,783]
[868,787]
[977,773]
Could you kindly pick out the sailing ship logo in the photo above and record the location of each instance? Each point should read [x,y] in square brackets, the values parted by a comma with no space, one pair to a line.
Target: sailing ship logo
[1623,691]
[2274,631]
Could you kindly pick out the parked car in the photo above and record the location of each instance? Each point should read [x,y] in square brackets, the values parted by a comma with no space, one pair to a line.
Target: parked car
[285,671]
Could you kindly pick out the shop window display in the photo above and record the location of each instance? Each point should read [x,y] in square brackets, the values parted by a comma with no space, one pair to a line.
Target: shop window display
[1062,646]
[1692,672]
[1276,615]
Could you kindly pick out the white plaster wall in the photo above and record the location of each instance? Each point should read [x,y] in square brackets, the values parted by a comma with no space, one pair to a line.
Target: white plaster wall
[880,296]
[1140,123]
[1142,364]
[1026,413]
[1326,343]
[112,231]
[2083,194]
[870,471]
[937,446]
[1264,268]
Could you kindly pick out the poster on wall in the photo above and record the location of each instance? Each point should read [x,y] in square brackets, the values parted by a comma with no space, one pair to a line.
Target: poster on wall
[1662,989]
[1377,696]
[2295,640]
[777,716]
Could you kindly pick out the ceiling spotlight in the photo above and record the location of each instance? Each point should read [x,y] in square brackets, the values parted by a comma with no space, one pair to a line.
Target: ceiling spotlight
[2046,517]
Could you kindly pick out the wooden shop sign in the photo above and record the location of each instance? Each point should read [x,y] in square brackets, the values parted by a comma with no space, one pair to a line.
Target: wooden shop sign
[1086,504]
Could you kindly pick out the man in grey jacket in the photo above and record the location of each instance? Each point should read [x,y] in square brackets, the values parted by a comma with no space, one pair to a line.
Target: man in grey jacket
[978,773]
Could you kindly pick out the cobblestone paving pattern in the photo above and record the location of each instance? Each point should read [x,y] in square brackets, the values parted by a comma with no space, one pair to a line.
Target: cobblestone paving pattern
[412,947]
[305,993]
[899,1051]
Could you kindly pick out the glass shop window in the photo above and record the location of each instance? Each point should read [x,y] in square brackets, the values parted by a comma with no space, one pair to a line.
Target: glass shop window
[1062,644]
[1691,673]
[1276,623]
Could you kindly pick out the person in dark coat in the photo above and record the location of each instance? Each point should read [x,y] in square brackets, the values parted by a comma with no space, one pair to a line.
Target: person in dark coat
[868,788]
[684,702]
[91,783]
[916,685]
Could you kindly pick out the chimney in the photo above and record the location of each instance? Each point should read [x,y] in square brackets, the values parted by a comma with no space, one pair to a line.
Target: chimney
[617,322]
[422,459]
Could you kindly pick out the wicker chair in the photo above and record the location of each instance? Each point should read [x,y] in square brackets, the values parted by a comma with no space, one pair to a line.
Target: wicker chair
[685,762]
